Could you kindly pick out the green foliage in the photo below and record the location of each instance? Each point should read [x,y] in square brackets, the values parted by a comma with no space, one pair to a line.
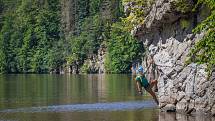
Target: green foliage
[94,28]
[204,50]
[183,6]
[122,50]
[88,41]
[6,47]
[95,6]
[29,33]
[86,67]
[56,56]
[136,15]
[209,3]
[31,40]
[205,12]
[185,23]
[84,39]
[1,11]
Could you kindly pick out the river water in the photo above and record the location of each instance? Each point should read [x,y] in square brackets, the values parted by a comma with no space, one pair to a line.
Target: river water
[78,98]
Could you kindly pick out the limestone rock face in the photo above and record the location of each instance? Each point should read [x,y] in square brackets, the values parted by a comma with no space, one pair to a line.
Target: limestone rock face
[98,64]
[95,64]
[183,87]
[101,59]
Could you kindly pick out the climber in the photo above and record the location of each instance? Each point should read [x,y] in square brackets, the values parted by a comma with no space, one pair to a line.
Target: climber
[142,82]
[152,70]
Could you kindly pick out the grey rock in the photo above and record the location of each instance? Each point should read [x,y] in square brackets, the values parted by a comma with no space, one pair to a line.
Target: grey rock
[213,110]
[169,108]
[182,106]
[181,85]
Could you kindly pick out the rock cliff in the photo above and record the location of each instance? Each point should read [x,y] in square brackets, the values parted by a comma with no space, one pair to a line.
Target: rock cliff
[167,35]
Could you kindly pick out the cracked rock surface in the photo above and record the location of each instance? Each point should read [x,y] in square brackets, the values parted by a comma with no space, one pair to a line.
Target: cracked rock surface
[184,88]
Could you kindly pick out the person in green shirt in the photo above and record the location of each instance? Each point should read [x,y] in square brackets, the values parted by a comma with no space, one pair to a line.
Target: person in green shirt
[142,82]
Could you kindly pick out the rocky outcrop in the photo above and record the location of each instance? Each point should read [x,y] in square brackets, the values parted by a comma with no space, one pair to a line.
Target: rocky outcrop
[101,59]
[95,62]
[167,34]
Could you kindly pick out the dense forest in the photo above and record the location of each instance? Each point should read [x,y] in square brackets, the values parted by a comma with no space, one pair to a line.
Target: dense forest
[34,37]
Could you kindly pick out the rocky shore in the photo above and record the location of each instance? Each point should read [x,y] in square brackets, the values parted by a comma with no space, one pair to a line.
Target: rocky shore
[182,87]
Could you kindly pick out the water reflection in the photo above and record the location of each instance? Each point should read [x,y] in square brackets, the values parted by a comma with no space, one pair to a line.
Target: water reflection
[141,115]
[27,91]
[181,117]
[145,115]
[40,90]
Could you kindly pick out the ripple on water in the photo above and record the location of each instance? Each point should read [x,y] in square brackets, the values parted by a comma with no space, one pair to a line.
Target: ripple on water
[114,106]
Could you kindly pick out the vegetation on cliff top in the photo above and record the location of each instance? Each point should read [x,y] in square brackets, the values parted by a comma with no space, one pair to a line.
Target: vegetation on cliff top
[137,10]
[123,49]
[204,50]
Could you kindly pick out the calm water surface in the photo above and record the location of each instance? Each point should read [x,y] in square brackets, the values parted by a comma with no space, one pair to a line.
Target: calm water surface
[78,98]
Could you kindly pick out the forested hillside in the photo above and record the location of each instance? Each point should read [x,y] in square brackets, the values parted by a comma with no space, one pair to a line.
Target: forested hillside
[29,36]
[40,36]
